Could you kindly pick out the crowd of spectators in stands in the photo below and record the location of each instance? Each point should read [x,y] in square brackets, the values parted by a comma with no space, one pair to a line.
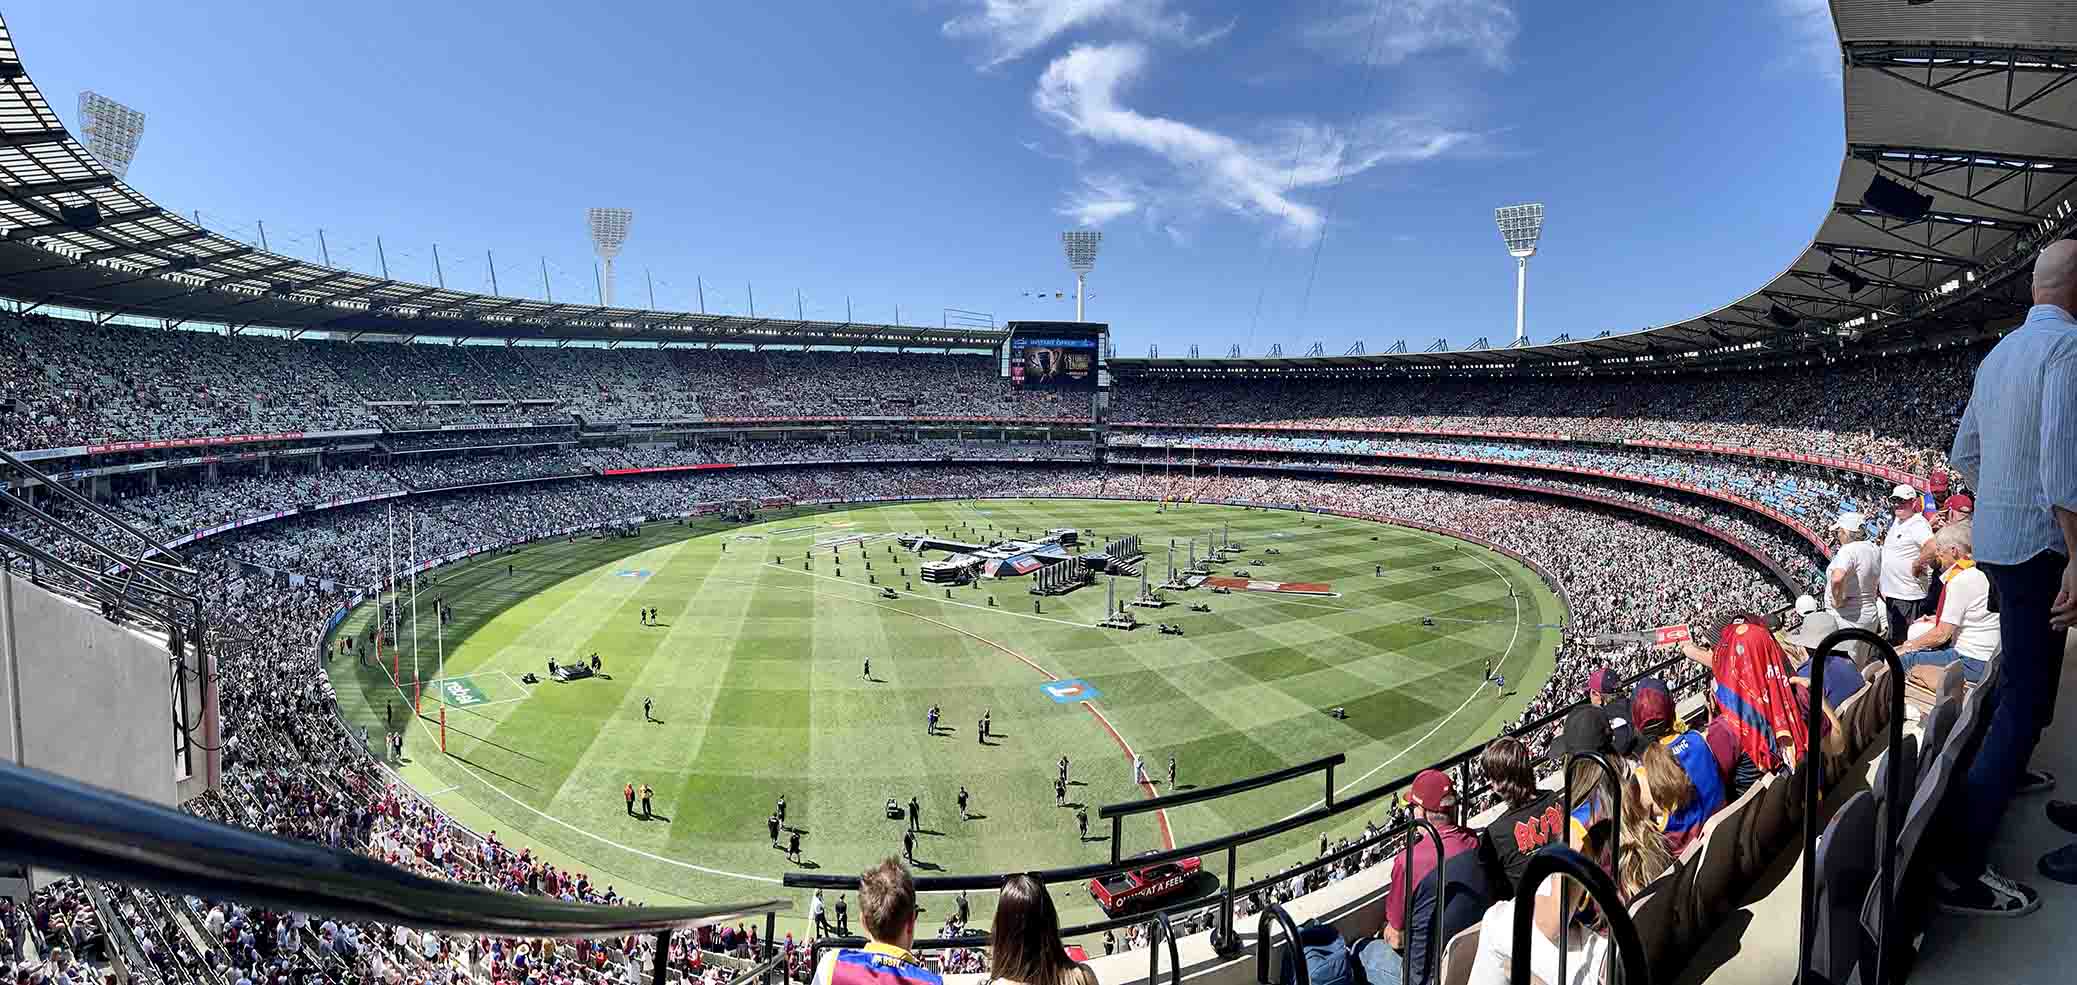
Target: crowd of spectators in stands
[1873,410]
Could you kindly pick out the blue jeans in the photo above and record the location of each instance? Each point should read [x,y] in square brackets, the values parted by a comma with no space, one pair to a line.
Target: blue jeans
[1972,670]
[2020,707]
[1381,964]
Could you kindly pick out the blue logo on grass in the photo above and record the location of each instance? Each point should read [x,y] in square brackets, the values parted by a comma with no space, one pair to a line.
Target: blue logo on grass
[1070,691]
[633,572]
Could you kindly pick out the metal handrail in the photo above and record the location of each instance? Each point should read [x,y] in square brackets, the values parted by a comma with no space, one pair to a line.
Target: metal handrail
[1420,826]
[1813,791]
[1558,860]
[48,821]
[1118,812]
[1166,930]
[1264,942]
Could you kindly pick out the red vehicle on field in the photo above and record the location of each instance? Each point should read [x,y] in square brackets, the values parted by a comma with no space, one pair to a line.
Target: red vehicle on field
[1144,887]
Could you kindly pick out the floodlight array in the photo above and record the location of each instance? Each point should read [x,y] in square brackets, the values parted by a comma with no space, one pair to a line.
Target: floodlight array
[111,131]
[1520,225]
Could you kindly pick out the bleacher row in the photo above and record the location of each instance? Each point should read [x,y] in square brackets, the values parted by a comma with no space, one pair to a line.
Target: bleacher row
[66,383]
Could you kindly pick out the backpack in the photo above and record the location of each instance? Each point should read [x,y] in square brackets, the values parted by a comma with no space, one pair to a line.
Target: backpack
[1327,958]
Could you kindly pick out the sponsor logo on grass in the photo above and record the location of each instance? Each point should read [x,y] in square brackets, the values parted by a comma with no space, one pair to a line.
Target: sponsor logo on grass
[1069,691]
[633,572]
[460,692]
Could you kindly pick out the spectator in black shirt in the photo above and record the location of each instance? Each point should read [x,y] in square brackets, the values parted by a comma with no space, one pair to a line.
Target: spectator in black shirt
[1533,819]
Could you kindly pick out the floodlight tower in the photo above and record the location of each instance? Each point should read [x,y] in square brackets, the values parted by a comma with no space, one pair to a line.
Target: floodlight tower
[112,131]
[1081,247]
[1520,225]
[608,232]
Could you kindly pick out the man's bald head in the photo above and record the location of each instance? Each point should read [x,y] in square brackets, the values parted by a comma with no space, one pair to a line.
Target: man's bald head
[2055,275]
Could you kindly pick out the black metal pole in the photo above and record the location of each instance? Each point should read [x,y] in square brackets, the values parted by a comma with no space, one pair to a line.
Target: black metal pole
[662,965]
[1813,793]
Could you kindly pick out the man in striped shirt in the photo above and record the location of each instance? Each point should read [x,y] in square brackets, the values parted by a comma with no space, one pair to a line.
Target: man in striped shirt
[2017,447]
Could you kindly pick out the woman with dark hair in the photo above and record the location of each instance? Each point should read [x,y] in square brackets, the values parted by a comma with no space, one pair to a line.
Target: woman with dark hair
[1024,945]
[1533,818]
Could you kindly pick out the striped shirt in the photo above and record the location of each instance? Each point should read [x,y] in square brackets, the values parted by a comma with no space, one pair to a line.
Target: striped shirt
[2017,444]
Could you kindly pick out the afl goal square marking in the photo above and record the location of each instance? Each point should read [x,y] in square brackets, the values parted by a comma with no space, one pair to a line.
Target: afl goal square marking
[1070,691]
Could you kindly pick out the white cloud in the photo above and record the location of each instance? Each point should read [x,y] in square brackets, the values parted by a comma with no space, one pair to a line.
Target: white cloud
[1813,36]
[1012,28]
[1101,199]
[1201,167]
[1400,29]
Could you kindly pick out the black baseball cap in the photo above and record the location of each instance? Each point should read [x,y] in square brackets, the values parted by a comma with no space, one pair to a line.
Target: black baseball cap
[1586,730]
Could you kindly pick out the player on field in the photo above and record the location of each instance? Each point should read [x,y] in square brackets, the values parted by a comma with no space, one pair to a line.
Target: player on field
[963,815]
[771,824]
[867,673]
[985,732]
[908,846]
[1171,771]
[793,847]
[915,814]
[1082,821]
[645,711]
[1060,793]
[630,792]
[932,728]
[781,808]
[1063,770]
[1139,769]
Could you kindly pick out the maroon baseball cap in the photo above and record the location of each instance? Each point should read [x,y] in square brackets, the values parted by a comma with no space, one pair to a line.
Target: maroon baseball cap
[1433,790]
[1651,705]
[1961,502]
[1601,681]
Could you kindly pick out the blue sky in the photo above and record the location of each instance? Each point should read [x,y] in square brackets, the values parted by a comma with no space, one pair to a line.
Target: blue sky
[1320,170]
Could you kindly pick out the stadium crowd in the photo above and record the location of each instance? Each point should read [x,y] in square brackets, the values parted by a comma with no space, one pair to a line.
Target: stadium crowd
[292,769]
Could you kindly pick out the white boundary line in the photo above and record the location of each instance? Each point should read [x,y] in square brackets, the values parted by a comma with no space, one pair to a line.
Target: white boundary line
[1416,744]
[470,771]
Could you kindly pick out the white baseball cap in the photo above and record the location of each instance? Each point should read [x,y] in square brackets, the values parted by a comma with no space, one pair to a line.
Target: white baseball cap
[1806,604]
[1903,492]
[1850,521]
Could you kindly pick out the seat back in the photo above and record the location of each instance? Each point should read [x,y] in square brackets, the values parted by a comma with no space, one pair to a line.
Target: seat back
[1658,925]
[1847,857]
[1717,885]
[1458,956]
[1938,723]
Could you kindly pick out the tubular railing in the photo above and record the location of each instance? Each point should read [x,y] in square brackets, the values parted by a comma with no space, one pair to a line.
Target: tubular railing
[1163,931]
[1421,827]
[1558,860]
[1264,942]
[50,822]
[1813,793]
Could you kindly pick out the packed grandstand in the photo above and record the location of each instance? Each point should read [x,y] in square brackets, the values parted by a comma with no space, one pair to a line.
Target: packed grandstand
[1705,498]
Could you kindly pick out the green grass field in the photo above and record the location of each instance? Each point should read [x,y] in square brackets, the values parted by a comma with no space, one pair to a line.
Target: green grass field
[754,670]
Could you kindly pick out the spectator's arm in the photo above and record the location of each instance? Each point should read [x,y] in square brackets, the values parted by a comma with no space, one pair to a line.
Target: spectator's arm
[1967,453]
[1837,580]
[2059,475]
[1700,654]
[1933,639]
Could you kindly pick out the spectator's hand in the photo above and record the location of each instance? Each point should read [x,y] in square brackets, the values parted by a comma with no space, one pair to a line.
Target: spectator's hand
[2063,614]
[1391,936]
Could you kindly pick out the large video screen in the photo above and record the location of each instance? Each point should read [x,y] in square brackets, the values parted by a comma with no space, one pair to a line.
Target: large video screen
[1054,354]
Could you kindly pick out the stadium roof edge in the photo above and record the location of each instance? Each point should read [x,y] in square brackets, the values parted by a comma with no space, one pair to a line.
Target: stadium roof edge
[1966,105]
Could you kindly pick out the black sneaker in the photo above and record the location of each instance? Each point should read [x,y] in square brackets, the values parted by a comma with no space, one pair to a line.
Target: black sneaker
[1987,895]
[2034,781]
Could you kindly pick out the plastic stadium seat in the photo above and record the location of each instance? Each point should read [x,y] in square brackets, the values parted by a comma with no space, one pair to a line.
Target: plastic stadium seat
[1658,927]
[1847,860]
[1939,765]
[1458,955]
[1720,873]
[1938,723]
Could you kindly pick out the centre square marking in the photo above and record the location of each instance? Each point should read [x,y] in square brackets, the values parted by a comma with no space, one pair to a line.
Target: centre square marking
[1070,691]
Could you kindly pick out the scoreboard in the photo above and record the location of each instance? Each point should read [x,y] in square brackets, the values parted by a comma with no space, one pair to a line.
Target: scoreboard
[1056,355]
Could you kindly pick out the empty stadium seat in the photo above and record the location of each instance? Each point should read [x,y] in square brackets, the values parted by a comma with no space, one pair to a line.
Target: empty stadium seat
[1458,955]
[1847,861]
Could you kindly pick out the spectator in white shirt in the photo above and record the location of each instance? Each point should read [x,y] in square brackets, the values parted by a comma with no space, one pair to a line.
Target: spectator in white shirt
[1965,626]
[1853,577]
[1904,580]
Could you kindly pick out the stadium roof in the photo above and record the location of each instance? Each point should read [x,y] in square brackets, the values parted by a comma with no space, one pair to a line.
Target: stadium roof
[1966,101]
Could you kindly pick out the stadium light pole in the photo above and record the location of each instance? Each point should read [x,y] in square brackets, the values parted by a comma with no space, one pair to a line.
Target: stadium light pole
[1520,226]
[1080,245]
[111,130]
[608,233]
